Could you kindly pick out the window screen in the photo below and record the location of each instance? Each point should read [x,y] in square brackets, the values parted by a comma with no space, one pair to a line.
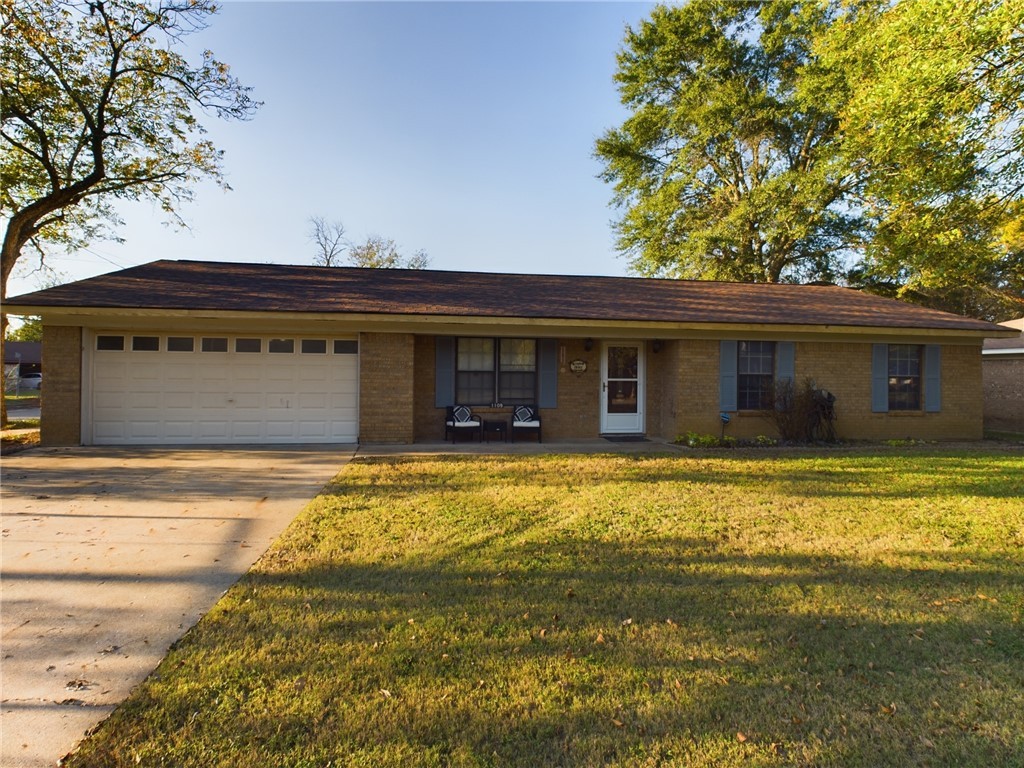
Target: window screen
[904,377]
[755,373]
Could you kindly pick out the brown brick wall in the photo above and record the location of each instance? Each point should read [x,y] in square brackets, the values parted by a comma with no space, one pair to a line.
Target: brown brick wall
[844,369]
[682,393]
[577,413]
[697,394]
[61,393]
[1003,388]
[386,387]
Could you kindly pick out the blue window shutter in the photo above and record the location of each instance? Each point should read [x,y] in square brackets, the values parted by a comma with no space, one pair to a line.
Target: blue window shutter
[547,373]
[727,376]
[933,378]
[785,361]
[880,378]
[444,371]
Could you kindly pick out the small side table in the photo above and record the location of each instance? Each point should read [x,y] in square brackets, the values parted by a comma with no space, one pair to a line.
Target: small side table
[495,427]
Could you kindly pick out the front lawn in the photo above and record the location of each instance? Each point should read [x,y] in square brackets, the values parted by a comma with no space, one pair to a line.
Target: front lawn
[755,609]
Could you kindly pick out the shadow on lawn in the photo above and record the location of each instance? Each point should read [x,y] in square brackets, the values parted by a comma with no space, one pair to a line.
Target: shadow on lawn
[518,643]
[583,653]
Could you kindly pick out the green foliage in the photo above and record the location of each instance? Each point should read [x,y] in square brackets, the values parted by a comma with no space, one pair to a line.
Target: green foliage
[382,253]
[726,167]
[934,97]
[697,440]
[874,143]
[31,329]
[98,106]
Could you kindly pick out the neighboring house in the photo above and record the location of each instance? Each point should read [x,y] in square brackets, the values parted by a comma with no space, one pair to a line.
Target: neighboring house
[197,352]
[20,358]
[1002,373]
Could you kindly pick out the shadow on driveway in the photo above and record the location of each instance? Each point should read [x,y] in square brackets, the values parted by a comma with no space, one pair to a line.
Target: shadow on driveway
[111,554]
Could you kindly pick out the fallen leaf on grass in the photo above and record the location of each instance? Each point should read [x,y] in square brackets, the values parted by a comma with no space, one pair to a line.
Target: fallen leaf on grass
[385,693]
[741,737]
[617,723]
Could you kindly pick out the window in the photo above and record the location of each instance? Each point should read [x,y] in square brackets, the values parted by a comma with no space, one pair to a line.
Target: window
[145,343]
[496,371]
[314,346]
[215,344]
[285,346]
[474,372]
[904,377]
[110,343]
[181,344]
[344,347]
[248,345]
[755,372]
[517,371]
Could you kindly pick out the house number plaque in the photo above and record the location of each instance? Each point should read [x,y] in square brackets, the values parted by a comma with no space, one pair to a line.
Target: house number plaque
[578,366]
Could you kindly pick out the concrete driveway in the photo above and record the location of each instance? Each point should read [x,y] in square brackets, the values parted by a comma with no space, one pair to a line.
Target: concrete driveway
[110,555]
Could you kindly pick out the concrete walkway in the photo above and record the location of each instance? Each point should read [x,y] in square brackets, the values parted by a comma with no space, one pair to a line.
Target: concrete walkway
[110,554]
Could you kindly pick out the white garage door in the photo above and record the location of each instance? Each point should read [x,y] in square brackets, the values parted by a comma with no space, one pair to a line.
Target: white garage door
[175,388]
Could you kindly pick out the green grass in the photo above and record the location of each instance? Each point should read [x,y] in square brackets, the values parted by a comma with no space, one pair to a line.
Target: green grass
[755,609]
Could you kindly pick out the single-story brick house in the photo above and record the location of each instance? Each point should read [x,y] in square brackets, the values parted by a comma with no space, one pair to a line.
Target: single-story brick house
[200,352]
[1002,375]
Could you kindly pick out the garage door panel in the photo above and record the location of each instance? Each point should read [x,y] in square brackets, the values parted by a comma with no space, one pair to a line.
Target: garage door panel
[212,397]
[213,429]
[144,401]
[179,430]
[248,400]
[280,429]
[247,430]
[144,430]
[179,400]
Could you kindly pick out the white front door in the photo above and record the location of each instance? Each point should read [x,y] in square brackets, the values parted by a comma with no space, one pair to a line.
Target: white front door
[622,387]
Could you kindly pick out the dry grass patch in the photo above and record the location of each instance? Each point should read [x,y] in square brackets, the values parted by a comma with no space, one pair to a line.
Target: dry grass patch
[762,609]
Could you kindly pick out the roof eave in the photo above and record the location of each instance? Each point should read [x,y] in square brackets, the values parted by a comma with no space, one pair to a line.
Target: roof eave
[540,326]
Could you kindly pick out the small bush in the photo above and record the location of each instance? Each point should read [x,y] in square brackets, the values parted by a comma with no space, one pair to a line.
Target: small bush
[802,414]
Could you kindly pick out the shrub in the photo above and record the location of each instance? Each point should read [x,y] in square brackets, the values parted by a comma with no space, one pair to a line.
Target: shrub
[802,414]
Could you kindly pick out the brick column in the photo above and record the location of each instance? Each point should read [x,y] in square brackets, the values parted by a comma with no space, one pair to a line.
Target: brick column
[386,387]
[61,391]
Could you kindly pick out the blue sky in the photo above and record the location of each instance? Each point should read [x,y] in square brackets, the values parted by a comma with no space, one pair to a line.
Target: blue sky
[466,129]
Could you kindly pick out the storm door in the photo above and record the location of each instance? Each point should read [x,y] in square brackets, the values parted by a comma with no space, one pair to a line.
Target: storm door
[622,387]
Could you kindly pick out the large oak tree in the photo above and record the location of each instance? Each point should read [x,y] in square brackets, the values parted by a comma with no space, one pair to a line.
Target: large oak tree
[726,167]
[870,142]
[100,104]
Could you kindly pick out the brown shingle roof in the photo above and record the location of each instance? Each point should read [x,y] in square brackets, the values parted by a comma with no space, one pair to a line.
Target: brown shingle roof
[196,285]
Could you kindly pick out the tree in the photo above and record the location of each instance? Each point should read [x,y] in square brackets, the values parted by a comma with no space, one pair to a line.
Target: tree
[99,107]
[726,168]
[932,120]
[31,329]
[329,238]
[333,249]
[382,252]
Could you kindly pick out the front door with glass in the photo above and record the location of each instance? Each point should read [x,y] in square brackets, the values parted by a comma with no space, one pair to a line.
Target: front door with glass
[622,388]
